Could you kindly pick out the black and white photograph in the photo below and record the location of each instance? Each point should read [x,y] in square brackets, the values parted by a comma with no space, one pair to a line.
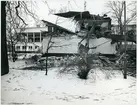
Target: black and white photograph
[68,52]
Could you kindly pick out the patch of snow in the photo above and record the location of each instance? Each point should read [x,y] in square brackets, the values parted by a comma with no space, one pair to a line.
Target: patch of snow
[35,88]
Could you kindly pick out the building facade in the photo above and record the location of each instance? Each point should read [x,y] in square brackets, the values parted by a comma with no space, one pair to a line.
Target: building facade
[115,28]
[31,42]
[33,36]
[131,27]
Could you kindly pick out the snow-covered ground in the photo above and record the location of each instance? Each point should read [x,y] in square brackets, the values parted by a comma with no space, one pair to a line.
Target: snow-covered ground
[27,87]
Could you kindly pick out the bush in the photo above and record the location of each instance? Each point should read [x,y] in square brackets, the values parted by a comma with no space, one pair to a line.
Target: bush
[85,64]
[83,72]
[82,64]
[35,58]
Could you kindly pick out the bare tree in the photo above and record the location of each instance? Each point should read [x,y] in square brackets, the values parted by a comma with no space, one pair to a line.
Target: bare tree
[84,54]
[4,57]
[8,8]
[12,26]
[53,11]
[117,9]
[50,35]
[51,44]
[48,47]
[16,13]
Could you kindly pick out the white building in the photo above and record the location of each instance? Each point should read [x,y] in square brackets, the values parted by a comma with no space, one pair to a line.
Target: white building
[33,36]
[31,42]
[69,45]
[115,28]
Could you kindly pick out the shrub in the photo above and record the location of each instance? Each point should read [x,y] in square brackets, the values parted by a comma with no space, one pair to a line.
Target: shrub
[35,58]
[84,66]
[83,72]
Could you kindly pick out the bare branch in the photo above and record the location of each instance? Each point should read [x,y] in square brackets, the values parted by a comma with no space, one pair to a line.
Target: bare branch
[17,13]
[28,11]
[48,46]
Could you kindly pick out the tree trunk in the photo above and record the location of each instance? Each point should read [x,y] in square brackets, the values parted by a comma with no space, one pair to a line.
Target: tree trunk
[13,52]
[125,61]
[125,69]
[121,33]
[48,47]
[47,61]
[46,65]
[121,29]
[4,56]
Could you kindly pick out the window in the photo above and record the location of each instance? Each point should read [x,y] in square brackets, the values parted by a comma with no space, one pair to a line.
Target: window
[43,35]
[55,29]
[49,28]
[37,37]
[130,43]
[24,47]
[30,37]
[36,47]
[30,47]
[18,48]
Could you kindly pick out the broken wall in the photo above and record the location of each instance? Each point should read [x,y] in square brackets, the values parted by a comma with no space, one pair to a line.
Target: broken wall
[70,45]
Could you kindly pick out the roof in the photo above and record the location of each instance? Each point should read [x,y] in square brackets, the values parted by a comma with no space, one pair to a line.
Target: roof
[68,14]
[55,25]
[81,15]
[32,29]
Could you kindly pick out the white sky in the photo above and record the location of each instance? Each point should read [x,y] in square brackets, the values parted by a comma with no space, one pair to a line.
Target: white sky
[93,6]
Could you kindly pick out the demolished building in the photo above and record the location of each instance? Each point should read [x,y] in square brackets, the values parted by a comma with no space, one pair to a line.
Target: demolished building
[98,27]
[102,24]
[94,29]
[96,35]
[99,30]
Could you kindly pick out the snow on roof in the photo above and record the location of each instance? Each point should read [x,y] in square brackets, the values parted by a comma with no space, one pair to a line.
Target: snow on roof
[60,27]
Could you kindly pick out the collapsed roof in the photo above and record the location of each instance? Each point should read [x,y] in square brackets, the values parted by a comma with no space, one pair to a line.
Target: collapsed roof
[81,15]
[90,18]
[86,17]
